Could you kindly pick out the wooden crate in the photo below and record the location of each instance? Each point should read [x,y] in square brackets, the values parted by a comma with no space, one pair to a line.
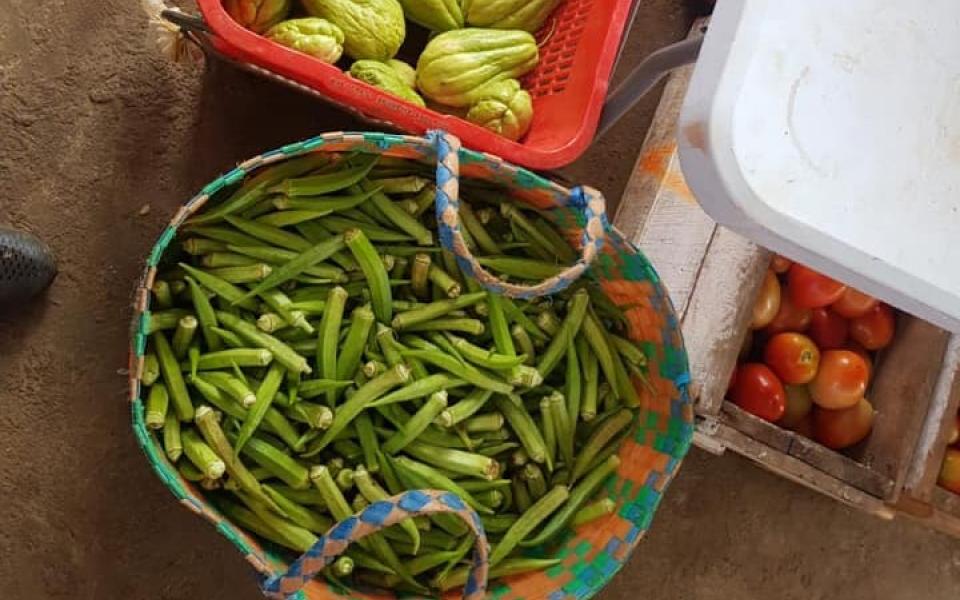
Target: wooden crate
[713,275]
[922,498]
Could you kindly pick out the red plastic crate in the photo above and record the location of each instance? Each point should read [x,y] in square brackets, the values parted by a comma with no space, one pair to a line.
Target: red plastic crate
[582,40]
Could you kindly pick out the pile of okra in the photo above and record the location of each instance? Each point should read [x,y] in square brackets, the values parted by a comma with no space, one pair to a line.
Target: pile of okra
[313,349]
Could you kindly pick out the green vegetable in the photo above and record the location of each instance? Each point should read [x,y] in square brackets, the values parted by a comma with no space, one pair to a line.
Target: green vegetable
[257,15]
[383,76]
[311,35]
[504,108]
[373,29]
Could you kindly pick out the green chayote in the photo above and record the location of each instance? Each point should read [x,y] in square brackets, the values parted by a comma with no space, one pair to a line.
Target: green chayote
[528,15]
[311,35]
[258,15]
[386,78]
[373,29]
[407,73]
[456,65]
[438,15]
[504,108]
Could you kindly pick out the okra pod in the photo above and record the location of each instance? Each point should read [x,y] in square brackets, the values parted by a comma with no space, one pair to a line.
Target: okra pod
[315,416]
[242,357]
[374,233]
[375,272]
[202,456]
[225,235]
[466,372]
[190,472]
[200,246]
[162,294]
[517,316]
[271,235]
[477,231]
[483,423]
[183,335]
[528,521]
[418,423]
[510,566]
[280,256]
[283,467]
[455,461]
[343,566]
[308,496]
[578,496]
[254,273]
[249,520]
[568,331]
[444,281]
[549,431]
[325,183]
[520,493]
[562,427]
[368,440]
[205,313]
[311,388]
[231,385]
[361,323]
[397,216]
[304,517]
[366,394]
[170,369]
[264,397]
[290,217]
[418,275]
[492,499]
[431,478]
[521,268]
[598,439]
[481,356]
[227,337]
[594,511]
[172,442]
[325,204]
[282,353]
[151,369]
[523,425]
[465,325]
[536,483]
[344,479]
[223,289]
[306,259]
[549,322]
[466,407]
[158,401]
[163,320]
[435,310]
[497,449]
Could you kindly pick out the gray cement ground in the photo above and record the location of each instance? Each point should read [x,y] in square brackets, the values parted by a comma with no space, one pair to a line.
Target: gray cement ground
[95,127]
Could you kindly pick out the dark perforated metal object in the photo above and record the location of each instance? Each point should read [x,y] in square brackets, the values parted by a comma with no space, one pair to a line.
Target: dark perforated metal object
[26,265]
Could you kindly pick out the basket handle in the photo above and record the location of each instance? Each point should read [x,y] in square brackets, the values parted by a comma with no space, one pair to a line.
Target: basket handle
[587,199]
[372,519]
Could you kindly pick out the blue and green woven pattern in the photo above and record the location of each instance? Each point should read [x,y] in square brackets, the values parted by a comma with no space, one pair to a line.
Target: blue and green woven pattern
[591,553]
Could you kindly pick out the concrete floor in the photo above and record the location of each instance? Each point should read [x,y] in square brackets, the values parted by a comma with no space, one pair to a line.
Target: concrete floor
[94,128]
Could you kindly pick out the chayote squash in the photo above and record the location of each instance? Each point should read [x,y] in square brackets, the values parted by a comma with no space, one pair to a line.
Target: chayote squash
[407,73]
[311,35]
[257,15]
[373,29]
[504,108]
[386,78]
[438,15]
[456,65]
[528,15]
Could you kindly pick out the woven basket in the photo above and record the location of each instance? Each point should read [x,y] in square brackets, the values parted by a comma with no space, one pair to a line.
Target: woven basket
[591,553]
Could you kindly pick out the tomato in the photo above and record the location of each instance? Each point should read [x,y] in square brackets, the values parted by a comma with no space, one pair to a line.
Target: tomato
[789,318]
[828,329]
[853,303]
[954,436]
[838,429]
[950,471]
[758,391]
[780,264]
[799,405]
[805,426]
[809,289]
[841,380]
[767,304]
[874,330]
[853,346]
[793,357]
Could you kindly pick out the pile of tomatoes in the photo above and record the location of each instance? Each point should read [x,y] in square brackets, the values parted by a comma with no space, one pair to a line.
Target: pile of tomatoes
[807,361]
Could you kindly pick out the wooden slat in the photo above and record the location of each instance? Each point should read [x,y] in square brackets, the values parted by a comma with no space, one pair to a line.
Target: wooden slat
[801,472]
[931,445]
[718,313]
[901,393]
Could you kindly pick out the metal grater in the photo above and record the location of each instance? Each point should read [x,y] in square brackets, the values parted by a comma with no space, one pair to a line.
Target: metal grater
[27,265]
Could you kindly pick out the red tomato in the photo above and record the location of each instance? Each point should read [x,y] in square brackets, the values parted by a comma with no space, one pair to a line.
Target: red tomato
[853,303]
[950,471]
[841,380]
[758,391]
[780,264]
[838,429]
[853,346]
[954,436]
[767,304]
[798,408]
[874,330]
[828,329]
[789,318]
[793,357]
[809,289]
